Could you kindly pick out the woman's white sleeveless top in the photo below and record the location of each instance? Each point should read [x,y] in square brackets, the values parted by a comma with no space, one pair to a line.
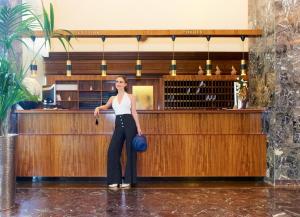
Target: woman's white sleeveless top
[124,107]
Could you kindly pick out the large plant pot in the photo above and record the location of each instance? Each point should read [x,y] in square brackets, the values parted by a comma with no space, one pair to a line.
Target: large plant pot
[7,172]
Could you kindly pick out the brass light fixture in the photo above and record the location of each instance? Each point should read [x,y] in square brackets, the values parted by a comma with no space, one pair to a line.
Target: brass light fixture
[68,63]
[243,61]
[173,62]
[103,67]
[138,66]
[33,65]
[208,67]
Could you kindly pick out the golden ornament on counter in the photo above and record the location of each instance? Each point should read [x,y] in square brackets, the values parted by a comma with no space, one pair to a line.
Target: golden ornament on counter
[218,71]
[233,70]
[200,72]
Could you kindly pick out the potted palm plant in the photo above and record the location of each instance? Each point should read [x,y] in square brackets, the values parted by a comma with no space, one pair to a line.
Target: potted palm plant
[17,23]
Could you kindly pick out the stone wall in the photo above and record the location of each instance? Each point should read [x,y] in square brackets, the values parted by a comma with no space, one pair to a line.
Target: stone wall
[274,68]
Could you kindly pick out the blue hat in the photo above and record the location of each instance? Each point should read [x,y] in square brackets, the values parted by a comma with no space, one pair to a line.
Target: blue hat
[139,143]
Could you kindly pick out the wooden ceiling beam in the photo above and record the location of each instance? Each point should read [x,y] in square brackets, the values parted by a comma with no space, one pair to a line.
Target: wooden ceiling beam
[163,33]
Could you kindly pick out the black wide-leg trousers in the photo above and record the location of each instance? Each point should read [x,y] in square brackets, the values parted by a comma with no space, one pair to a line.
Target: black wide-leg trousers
[125,130]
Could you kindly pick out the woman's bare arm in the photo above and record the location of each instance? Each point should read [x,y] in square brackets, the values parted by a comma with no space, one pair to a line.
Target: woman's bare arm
[103,107]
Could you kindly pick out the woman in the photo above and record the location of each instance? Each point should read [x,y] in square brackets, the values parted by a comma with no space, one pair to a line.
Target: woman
[126,127]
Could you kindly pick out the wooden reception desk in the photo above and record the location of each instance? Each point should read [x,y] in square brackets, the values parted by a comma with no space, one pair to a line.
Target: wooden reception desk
[202,143]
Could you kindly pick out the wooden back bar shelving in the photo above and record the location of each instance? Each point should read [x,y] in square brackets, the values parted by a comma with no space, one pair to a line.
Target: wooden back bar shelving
[180,92]
[91,91]
[83,94]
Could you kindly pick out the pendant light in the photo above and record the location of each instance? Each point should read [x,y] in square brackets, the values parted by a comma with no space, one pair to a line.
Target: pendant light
[103,67]
[243,61]
[33,65]
[138,66]
[173,62]
[208,61]
[68,63]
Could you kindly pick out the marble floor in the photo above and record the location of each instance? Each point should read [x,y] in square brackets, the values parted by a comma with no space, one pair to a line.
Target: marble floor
[177,199]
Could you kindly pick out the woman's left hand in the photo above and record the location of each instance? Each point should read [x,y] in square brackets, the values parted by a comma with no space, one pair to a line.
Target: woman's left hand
[139,132]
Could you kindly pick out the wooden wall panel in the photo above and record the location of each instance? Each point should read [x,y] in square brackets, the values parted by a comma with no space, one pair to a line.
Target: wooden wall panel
[154,63]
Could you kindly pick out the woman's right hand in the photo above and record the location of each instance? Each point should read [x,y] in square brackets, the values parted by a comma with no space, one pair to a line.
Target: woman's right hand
[97,111]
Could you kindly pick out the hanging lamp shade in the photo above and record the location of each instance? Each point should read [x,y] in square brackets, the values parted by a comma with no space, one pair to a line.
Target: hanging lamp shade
[173,68]
[173,61]
[103,66]
[69,68]
[33,65]
[33,69]
[243,67]
[138,68]
[208,67]
[138,65]
[243,61]
[68,62]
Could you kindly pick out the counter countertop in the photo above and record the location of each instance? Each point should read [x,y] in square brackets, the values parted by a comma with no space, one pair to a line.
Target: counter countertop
[37,111]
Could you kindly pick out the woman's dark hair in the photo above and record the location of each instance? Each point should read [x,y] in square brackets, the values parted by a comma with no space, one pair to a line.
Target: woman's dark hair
[125,79]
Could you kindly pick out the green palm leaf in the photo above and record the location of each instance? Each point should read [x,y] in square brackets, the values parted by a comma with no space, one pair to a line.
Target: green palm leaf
[16,23]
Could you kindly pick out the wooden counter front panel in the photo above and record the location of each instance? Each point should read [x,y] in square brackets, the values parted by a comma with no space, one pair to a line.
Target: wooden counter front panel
[62,155]
[169,123]
[211,155]
[192,144]
[65,124]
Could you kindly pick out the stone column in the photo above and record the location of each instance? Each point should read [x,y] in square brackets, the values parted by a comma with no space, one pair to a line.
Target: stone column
[274,67]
